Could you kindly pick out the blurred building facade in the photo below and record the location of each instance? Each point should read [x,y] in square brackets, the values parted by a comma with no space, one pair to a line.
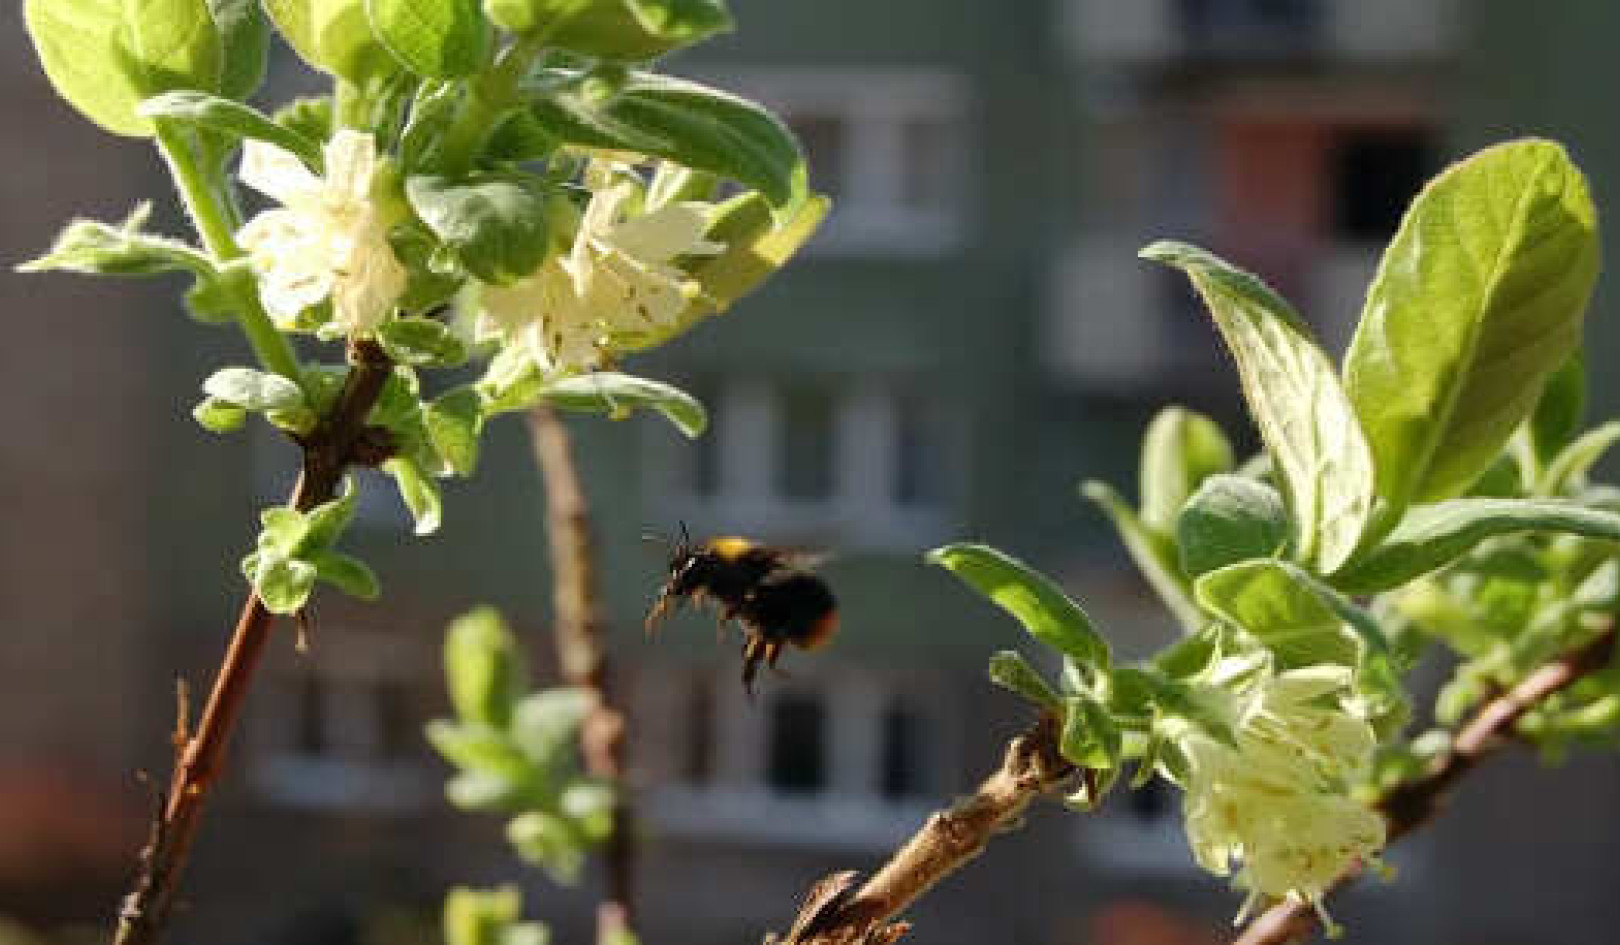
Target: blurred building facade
[969,336]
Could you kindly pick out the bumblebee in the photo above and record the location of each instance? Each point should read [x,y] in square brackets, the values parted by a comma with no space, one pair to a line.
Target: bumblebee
[768,591]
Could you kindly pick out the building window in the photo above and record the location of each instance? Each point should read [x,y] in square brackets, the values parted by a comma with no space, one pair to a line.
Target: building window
[871,465]
[838,757]
[344,731]
[1375,174]
[887,144]
[798,761]
[1250,27]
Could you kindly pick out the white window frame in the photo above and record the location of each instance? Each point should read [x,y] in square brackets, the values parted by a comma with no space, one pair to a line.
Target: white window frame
[348,664]
[869,217]
[850,813]
[861,511]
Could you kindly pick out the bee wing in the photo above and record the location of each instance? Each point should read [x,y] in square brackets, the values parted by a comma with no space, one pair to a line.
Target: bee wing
[806,560]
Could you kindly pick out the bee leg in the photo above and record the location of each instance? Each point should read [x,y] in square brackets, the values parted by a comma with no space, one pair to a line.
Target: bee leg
[773,652]
[753,653]
[660,609]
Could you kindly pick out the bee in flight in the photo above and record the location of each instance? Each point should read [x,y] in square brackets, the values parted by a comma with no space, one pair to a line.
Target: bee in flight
[769,592]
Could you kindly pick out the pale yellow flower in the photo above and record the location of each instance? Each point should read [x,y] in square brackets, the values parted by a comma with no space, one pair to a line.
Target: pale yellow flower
[616,282]
[327,240]
[1276,805]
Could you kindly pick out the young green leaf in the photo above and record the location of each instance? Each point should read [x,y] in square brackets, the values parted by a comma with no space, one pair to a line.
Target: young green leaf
[693,125]
[421,342]
[1090,738]
[495,223]
[1179,451]
[90,246]
[328,520]
[545,725]
[334,36]
[284,584]
[483,668]
[252,389]
[1230,519]
[1030,597]
[1153,551]
[454,421]
[1571,464]
[618,394]
[419,492]
[244,35]
[231,119]
[438,39]
[348,574]
[105,56]
[1293,393]
[1302,622]
[217,416]
[626,30]
[1010,671]
[1433,536]
[1560,410]
[549,842]
[1478,300]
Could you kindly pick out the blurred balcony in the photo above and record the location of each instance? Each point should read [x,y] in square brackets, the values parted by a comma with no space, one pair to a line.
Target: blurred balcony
[1160,33]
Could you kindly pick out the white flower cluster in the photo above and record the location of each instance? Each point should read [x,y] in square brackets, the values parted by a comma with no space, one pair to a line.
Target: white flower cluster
[327,240]
[1276,804]
[617,281]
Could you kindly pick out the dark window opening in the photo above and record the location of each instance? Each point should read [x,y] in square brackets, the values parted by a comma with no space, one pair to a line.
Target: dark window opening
[1249,26]
[1375,175]
[824,137]
[399,725]
[798,763]
[920,460]
[805,470]
[903,773]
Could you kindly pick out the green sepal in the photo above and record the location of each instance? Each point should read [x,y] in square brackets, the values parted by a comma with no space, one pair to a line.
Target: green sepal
[1091,738]
[421,342]
[454,421]
[217,416]
[1010,671]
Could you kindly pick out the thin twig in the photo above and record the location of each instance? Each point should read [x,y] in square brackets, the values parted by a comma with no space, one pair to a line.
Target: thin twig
[1414,803]
[328,451]
[834,913]
[578,630]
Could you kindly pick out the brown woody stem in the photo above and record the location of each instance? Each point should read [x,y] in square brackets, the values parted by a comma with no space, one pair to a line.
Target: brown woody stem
[328,451]
[1412,804]
[836,914]
[578,630]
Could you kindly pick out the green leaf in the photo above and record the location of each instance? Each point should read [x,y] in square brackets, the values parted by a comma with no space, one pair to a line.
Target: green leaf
[1432,536]
[1179,451]
[629,30]
[421,342]
[284,584]
[1153,551]
[217,416]
[310,116]
[483,667]
[348,574]
[282,530]
[1090,738]
[1298,620]
[1030,597]
[549,842]
[1010,671]
[1478,300]
[245,37]
[1230,519]
[252,389]
[481,917]
[454,421]
[328,520]
[439,39]
[1560,410]
[89,246]
[105,56]
[1570,466]
[1294,395]
[231,119]
[495,224]
[419,492]
[546,723]
[693,125]
[334,36]
[618,394]
[755,249]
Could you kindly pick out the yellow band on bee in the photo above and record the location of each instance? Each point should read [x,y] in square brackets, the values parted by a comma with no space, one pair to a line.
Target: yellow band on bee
[730,547]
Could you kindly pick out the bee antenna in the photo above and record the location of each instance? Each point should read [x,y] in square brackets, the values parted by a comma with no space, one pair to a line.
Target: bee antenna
[686,536]
[660,539]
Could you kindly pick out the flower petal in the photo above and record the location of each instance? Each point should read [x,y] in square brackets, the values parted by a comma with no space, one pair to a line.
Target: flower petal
[277,173]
